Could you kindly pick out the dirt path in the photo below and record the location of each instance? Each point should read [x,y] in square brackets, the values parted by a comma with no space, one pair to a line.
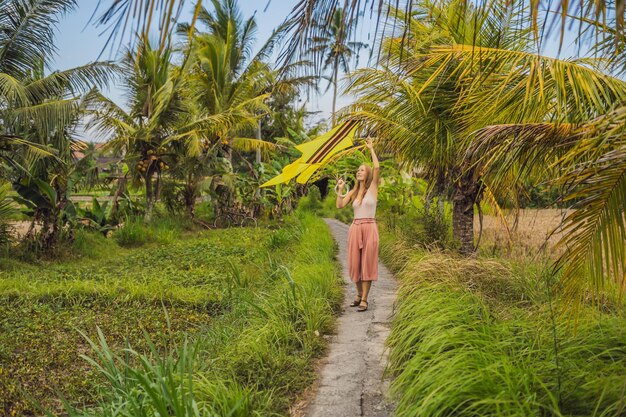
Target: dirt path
[350,383]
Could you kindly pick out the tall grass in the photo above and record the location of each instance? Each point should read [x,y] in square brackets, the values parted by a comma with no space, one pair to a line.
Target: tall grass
[160,383]
[480,337]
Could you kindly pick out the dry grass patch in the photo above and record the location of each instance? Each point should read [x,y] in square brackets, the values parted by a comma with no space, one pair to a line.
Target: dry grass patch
[535,231]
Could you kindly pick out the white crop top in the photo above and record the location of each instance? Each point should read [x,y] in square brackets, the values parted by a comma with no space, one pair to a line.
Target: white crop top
[367,208]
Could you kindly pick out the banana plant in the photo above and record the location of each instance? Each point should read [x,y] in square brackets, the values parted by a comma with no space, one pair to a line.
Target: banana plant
[95,218]
[45,205]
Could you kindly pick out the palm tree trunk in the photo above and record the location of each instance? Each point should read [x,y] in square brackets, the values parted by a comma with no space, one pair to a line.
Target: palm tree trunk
[190,196]
[121,188]
[336,70]
[258,136]
[157,186]
[149,195]
[257,193]
[463,226]
[465,196]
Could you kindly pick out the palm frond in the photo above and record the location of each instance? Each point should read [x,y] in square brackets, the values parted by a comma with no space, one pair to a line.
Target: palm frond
[27,32]
[499,148]
[138,17]
[250,144]
[521,86]
[12,90]
[72,81]
[47,117]
[595,232]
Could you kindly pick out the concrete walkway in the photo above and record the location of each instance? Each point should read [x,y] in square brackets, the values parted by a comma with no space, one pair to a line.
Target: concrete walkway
[350,383]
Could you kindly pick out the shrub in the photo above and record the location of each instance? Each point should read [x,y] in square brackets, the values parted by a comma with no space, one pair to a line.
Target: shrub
[92,244]
[133,232]
[312,201]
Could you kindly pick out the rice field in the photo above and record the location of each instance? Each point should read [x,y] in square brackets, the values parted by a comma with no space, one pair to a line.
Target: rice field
[521,233]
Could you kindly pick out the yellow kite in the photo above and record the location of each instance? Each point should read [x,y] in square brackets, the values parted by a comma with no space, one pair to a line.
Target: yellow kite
[315,153]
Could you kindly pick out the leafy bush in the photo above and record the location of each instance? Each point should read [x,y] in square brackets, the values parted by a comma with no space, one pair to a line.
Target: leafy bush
[133,232]
[137,232]
[95,217]
[312,201]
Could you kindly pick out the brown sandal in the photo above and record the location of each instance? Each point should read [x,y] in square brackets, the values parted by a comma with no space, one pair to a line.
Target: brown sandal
[356,303]
[363,308]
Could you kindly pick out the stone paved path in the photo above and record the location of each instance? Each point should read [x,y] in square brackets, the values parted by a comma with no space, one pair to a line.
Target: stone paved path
[351,381]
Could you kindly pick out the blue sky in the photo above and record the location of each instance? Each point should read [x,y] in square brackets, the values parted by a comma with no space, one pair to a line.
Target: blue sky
[79,42]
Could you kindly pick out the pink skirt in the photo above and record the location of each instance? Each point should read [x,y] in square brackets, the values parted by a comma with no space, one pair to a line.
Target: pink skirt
[363,250]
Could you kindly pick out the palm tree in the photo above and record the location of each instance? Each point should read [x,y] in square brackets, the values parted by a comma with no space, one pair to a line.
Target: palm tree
[437,87]
[582,146]
[421,122]
[333,46]
[161,112]
[531,116]
[231,85]
[28,98]
[40,111]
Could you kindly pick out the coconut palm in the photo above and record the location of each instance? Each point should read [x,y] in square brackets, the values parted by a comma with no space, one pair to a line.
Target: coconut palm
[160,113]
[333,46]
[40,111]
[33,104]
[437,87]
[229,82]
[531,116]
[582,148]
[30,100]
[420,121]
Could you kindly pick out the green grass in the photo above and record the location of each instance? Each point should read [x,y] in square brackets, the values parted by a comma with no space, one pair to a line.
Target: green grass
[238,312]
[475,337]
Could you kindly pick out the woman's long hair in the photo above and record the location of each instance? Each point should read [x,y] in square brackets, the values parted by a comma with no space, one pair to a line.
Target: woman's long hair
[368,181]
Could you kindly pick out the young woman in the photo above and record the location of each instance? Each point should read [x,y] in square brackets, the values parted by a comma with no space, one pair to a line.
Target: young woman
[363,233]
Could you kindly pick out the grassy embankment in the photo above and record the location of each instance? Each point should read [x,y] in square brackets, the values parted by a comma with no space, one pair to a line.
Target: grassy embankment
[485,337]
[195,323]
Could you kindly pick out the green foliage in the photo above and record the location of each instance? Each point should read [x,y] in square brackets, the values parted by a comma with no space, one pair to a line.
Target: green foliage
[92,245]
[162,230]
[480,337]
[133,233]
[434,225]
[162,384]
[7,212]
[253,312]
[129,206]
[95,217]
[330,209]
[279,239]
[312,201]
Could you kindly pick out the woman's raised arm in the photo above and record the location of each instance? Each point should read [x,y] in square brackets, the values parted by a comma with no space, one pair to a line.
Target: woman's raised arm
[376,168]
